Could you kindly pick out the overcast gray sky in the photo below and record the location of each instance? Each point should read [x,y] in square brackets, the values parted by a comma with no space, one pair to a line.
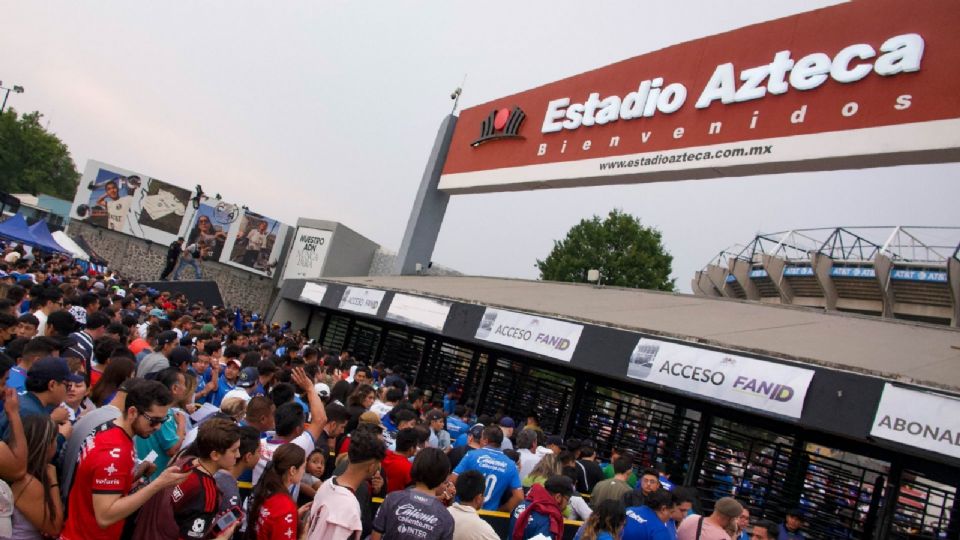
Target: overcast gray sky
[329,109]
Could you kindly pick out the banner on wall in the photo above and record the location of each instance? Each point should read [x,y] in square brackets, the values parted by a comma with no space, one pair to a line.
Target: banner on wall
[531,333]
[360,300]
[761,385]
[307,254]
[210,226]
[254,243]
[417,311]
[313,293]
[920,419]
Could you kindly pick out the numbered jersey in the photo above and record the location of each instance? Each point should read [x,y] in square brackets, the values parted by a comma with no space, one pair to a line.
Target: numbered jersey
[499,472]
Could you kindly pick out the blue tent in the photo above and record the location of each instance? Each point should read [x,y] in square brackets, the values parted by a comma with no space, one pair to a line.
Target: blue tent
[15,228]
[45,240]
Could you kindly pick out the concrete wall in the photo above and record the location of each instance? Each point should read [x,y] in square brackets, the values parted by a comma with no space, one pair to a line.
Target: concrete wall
[139,259]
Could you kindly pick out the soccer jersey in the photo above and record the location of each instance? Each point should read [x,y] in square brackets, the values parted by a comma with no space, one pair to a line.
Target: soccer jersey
[105,468]
[277,519]
[642,523]
[270,444]
[414,515]
[497,469]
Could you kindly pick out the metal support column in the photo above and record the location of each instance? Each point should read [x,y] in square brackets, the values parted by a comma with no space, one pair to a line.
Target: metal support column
[870,523]
[426,215]
[699,449]
[578,389]
[889,505]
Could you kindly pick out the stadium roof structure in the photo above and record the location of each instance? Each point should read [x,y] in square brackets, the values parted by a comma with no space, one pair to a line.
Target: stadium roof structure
[900,272]
[920,354]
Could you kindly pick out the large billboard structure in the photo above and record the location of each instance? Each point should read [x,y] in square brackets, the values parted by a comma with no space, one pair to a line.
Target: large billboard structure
[857,85]
[139,205]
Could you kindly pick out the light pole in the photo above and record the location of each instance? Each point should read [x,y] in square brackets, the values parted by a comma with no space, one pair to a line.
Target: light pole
[17,89]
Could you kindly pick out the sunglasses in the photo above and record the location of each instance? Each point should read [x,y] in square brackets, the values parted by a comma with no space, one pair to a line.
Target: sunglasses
[152,420]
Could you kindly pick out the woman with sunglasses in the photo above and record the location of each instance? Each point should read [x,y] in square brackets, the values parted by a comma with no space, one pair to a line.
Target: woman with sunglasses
[209,237]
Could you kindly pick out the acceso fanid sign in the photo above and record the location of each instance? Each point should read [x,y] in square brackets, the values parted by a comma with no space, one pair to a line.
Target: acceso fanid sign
[761,385]
[531,333]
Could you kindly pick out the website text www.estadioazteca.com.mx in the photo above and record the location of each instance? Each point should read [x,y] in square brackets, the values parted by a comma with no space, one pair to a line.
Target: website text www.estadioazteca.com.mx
[682,157]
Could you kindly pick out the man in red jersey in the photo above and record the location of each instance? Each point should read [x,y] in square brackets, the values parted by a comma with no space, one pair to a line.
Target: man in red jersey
[100,498]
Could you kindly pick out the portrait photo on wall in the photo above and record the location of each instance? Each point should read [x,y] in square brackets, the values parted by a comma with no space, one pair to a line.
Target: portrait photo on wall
[255,239]
[164,206]
[112,198]
[209,229]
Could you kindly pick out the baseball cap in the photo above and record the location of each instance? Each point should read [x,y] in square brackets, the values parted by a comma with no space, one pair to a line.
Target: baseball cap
[248,377]
[434,414]
[120,292]
[155,312]
[235,361]
[179,356]
[476,431]
[507,422]
[166,337]
[371,417]
[554,439]
[99,285]
[52,368]
[322,389]
[728,506]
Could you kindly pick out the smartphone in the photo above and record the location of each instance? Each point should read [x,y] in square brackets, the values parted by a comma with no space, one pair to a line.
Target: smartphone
[225,520]
[151,457]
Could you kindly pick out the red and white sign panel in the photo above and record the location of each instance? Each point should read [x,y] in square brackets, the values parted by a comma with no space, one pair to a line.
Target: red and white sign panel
[856,85]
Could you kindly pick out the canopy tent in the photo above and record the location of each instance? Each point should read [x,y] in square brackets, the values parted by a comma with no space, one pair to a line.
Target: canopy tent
[15,228]
[71,246]
[45,241]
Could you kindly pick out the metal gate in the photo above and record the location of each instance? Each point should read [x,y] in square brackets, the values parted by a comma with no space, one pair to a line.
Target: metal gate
[403,351]
[516,389]
[657,433]
[447,364]
[335,333]
[363,340]
[750,464]
[923,508]
[838,492]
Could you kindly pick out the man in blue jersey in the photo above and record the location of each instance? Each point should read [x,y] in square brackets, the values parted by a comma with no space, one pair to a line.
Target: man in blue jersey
[651,520]
[499,471]
[455,423]
[227,381]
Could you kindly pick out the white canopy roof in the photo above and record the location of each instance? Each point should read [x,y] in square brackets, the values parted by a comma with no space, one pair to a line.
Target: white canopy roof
[69,245]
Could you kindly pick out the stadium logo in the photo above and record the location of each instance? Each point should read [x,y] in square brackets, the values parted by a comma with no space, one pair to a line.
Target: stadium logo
[501,124]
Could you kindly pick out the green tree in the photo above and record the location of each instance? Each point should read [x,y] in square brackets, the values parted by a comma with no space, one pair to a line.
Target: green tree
[33,160]
[626,253]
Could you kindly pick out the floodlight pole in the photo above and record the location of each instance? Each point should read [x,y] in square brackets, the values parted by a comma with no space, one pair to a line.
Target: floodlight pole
[16,89]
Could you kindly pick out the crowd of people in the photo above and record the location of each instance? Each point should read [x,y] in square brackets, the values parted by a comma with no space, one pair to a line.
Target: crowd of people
[130,412]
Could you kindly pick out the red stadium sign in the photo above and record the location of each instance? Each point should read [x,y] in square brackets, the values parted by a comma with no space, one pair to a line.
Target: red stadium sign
[857,85]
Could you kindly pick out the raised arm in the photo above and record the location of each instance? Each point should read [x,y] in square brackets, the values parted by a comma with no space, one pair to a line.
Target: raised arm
[318,416]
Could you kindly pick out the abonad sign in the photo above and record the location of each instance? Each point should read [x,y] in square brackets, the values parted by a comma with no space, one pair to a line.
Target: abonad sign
[856,85]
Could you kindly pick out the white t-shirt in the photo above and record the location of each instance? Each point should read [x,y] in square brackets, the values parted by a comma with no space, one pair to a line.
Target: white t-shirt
[334,514]
[256,240]
[42,317]
[270,444]
[380,408]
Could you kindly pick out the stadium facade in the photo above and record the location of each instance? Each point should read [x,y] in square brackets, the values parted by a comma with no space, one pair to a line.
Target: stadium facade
[901,272]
